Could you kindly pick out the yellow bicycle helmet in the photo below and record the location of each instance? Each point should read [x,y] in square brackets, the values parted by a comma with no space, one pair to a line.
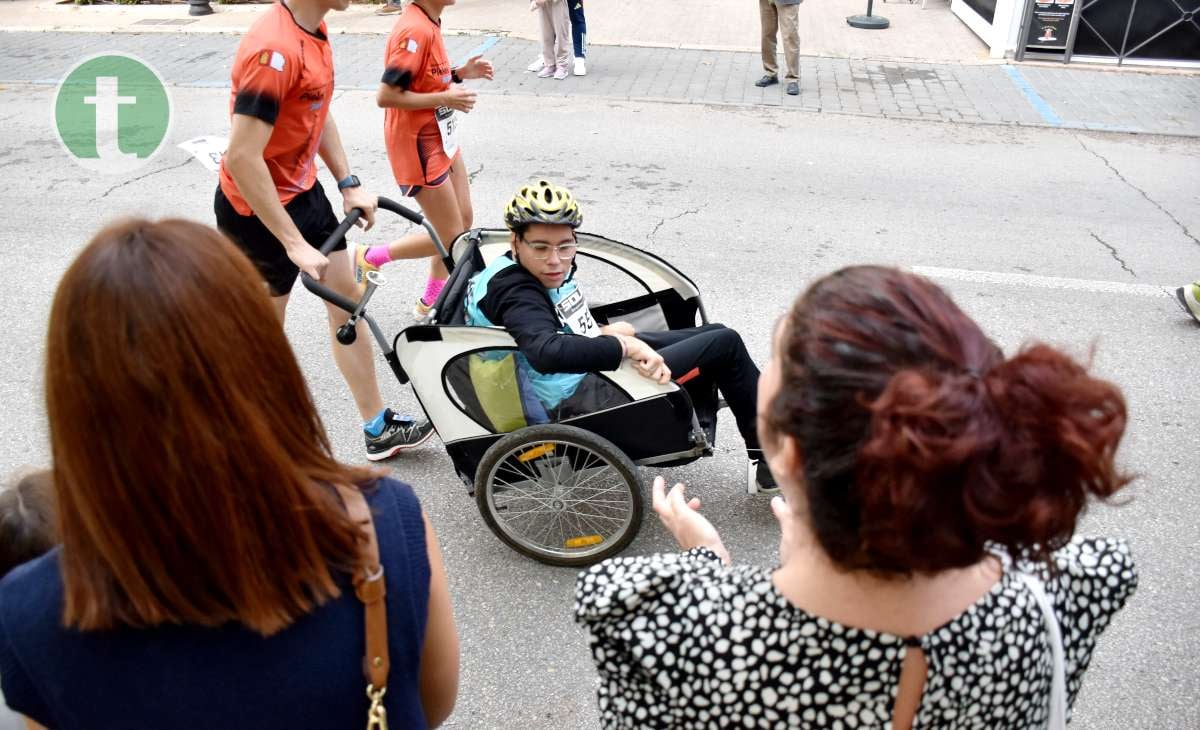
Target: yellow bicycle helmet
[542,202]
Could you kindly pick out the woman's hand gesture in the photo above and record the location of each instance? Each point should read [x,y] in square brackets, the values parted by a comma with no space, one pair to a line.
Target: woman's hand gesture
[683,520]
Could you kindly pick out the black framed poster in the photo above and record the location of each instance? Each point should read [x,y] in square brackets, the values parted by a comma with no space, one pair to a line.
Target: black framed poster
[1049,24]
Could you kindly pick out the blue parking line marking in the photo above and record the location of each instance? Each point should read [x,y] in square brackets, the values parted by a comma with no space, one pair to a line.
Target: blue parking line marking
[1035,99]
[479,50]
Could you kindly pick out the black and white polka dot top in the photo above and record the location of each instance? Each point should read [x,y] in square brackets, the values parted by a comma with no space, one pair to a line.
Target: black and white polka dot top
[681,641]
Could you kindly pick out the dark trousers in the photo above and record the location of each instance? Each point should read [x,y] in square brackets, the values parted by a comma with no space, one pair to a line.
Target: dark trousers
[722,358]
[578,27]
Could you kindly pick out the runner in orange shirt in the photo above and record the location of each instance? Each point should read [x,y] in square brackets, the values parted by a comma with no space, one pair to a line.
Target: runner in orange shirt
[421,97]
[270,203]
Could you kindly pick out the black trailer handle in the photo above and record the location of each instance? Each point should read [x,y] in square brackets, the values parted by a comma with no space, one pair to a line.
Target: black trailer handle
[411,215]
[320,289]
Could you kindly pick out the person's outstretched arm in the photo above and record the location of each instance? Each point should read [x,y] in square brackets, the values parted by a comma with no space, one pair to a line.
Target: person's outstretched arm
[439,657]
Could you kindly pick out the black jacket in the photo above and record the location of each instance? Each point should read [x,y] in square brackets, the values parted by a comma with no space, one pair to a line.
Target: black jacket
[517,301]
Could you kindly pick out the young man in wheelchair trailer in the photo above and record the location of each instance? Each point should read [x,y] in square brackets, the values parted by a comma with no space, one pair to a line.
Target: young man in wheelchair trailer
[547,405]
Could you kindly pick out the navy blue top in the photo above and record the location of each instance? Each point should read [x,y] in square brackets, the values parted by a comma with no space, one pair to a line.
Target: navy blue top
[309,675]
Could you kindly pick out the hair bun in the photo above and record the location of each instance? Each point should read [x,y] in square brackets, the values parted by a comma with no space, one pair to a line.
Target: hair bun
[1009,456]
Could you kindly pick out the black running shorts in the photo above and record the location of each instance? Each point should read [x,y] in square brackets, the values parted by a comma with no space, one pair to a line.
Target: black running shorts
[312,214]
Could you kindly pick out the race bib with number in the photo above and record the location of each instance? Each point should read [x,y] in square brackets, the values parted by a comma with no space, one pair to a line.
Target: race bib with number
[448,126]
[574,313]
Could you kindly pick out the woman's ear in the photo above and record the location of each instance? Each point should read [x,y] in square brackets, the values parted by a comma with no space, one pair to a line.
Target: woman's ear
[787,460]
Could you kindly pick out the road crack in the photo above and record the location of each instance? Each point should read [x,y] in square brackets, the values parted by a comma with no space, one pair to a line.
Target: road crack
[143,177]
[1152,201]
[1113,251]
[472,175]
[663,221]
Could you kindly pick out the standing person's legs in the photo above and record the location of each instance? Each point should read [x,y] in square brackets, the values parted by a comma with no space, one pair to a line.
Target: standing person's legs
[722,356]
[390,7]
[546,16]
[578,28]
[770,26]
[562,35]
[789,27]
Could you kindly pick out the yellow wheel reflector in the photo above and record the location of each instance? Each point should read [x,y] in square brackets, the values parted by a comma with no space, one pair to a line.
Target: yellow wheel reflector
[535,452]
[584,541]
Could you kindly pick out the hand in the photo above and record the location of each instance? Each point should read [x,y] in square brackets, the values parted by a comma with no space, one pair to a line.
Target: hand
[618,328]
[789,527]
[646,361]
[459,98]
[359,198]
[681,518]
[476,68]
[308,259]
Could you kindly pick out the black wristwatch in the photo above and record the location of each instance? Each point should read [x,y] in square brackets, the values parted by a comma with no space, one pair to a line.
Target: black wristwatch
[350,181]
[455,77]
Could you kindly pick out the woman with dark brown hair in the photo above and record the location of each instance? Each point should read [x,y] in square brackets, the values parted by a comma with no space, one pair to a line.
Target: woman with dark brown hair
[204,578]
[928,573]
[26,519]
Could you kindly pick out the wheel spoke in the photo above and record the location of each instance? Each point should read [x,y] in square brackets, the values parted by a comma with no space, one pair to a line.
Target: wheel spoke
[591,525]
[525,493]
[600,517]
[602,471]
[593,492]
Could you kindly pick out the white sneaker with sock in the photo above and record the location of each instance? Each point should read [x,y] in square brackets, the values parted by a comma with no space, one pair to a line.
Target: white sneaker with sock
[580,66]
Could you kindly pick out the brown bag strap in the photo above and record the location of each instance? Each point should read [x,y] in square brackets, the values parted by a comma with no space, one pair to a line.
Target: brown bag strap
[370,589]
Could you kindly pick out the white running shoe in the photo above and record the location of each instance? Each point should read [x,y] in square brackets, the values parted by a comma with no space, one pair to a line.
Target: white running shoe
[537,65]
[580,66]
[561,73]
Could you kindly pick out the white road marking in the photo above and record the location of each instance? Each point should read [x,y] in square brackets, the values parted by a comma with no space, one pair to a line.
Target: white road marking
[1043,282]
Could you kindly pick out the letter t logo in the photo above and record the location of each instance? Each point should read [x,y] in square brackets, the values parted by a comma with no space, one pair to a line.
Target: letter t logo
[108,101]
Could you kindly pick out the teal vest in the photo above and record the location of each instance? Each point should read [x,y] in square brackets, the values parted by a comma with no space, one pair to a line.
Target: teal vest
[551,388]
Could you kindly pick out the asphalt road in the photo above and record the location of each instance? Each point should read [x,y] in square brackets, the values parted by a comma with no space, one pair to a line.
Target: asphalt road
[1079,236]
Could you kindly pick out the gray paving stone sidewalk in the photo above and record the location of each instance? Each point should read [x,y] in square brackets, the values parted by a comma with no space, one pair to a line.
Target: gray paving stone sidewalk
[1077,98]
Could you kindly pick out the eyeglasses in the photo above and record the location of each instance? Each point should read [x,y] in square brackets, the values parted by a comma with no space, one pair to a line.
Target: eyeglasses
[541,251]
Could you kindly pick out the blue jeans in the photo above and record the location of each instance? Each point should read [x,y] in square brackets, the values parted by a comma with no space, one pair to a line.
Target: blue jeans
[578,27]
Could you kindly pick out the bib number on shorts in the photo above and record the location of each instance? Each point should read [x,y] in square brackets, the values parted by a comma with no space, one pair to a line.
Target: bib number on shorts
[448,126]
[574,313]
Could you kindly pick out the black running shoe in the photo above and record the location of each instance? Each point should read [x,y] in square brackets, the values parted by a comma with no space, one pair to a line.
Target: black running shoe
[764,481]
[399,433]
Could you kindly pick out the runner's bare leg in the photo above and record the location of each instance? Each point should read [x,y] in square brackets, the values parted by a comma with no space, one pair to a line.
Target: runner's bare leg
[280,305]
[357,361]
[448,208]
[462,190]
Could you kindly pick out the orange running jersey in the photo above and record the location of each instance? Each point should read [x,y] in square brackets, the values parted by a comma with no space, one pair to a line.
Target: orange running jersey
[416,61]
[283,75]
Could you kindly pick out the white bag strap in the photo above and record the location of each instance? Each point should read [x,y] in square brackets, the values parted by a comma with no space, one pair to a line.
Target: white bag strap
[1058,680]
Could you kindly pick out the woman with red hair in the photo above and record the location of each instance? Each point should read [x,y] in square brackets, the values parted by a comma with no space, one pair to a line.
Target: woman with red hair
[928,573]
[218,567]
